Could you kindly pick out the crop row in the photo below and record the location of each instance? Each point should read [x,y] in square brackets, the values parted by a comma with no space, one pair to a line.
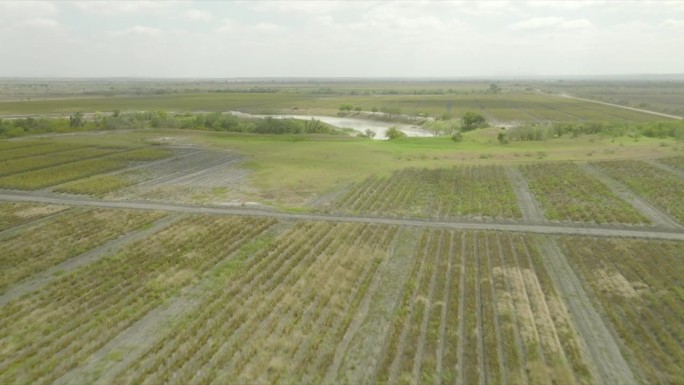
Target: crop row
[14,214]
[40,148]
[281,320]
[442,193]
[568,193]
[480,308]
[52,331]
[97,186]
[676,162]
[639,286]
[51,176]
[66,235]
[662,188]
[13,166]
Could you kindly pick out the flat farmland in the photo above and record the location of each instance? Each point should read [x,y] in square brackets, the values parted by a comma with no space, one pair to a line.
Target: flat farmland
[506,107]
[638,285]
[414,265]
[567,193]
[468,191]
[662,188]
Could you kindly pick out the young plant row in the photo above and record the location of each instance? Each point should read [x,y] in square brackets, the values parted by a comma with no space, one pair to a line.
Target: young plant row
[65,236]
[676,162]
[467,191]
[663,189]
[479,308]
[569,194]
[14,214]
[36,149]
[281,319]
[50,176]
[97,186]
[639,286]
[13,166]
[54,330]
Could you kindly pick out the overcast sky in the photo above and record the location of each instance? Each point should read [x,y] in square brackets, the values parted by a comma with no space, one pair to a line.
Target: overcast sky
[339,39]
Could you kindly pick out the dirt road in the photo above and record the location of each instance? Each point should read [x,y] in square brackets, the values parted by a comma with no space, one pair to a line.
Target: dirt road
[625,107]
[561,229]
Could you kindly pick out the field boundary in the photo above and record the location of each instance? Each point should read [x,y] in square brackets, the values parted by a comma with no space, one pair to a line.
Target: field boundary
[625,107]
[676,234]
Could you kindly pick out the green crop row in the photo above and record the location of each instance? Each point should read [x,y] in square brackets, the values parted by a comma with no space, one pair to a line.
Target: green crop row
[67,235]
[662,188]
[51,176]
[466,191]
[281,319]
[568,193]
[639,286]
[55,329]
[14,214]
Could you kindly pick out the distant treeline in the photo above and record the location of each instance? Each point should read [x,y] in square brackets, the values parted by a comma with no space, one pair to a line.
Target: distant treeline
[658,129]
[215,121]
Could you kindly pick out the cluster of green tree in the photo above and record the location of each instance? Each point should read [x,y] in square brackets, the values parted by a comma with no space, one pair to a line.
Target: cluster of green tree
[159,119]
[659,129]
[253,90]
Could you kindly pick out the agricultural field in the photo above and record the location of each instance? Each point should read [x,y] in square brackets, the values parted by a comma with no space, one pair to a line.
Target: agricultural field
[662,188]
[676,162]
[48,332]
[638,285]
[68,234]
[183,256]
[468,191]
[567,193]
[480,308]
[65,172]
[14,214]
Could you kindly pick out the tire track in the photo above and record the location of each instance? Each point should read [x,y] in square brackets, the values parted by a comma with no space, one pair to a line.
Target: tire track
[656,215]
[596,338]
[670,233]
[532,211]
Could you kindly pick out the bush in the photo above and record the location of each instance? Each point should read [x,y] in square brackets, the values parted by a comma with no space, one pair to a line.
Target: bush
[394,133]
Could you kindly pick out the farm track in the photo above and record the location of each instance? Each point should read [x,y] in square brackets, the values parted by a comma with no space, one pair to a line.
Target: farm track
[611,366]
[41,279]
[673,232]
[666,167]
[624,192]
[531,210]
[625,107]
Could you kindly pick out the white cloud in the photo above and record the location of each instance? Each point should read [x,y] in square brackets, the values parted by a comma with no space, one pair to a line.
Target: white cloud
[40,22]
[119,7]
[557,23]
[672,23]
[139,30]
[198,15]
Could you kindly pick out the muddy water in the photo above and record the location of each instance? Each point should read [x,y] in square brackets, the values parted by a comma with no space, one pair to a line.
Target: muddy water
[357,124]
